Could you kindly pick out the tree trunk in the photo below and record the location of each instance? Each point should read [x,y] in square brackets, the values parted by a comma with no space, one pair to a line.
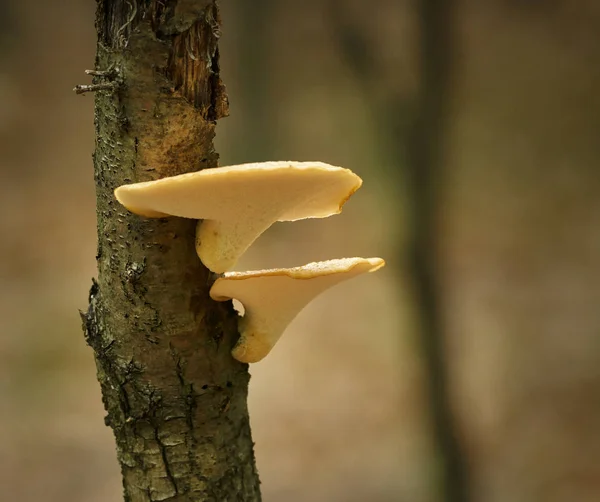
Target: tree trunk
[176,399]
[412,133]
[425,182]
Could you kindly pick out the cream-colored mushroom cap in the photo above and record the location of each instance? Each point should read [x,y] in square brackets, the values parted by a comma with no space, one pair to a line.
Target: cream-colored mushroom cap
[273,298]
[238,203]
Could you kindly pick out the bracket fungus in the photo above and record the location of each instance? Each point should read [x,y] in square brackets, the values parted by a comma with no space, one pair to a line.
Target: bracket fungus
[273,298]
[238,203]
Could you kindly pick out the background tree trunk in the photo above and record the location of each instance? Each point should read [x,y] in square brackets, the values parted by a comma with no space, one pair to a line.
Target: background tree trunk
[413,136]
[425,180]
[176,399]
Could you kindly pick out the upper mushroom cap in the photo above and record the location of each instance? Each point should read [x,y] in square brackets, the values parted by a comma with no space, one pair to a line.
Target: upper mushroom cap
[238,203]
[273,298]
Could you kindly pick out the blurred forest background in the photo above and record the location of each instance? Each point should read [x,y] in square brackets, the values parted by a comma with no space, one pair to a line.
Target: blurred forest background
[339,410]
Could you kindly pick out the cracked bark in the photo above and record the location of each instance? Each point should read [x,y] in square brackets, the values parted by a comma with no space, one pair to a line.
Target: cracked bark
[174,396]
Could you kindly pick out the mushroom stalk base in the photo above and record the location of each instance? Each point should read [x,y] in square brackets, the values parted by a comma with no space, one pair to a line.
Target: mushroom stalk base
[174,396]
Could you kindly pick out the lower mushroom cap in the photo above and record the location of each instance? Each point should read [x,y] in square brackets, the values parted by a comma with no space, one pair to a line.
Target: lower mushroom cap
[273,298]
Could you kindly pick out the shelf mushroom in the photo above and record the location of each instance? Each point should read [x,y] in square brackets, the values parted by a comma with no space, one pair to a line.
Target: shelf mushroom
[238,203]
[273,298]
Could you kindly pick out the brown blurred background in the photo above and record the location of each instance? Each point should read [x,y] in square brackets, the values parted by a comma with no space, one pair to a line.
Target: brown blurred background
[339,411]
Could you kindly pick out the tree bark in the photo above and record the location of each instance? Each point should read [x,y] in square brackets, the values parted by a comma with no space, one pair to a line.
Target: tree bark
[174,396]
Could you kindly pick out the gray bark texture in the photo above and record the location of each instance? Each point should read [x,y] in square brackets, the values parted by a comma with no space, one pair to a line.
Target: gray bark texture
[175,398]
